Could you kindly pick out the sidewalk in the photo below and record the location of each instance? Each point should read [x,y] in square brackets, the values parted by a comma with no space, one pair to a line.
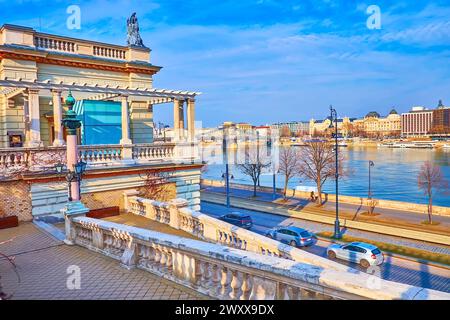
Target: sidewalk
[43,263]
[410,220]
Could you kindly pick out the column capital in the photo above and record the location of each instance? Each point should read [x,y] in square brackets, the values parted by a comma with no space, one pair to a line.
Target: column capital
[190,99]
[56,91]
[124,96]
[32,91]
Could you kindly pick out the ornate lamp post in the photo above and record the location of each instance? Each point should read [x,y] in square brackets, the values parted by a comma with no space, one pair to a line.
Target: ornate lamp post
[75,168]
[369,194]
[333,117]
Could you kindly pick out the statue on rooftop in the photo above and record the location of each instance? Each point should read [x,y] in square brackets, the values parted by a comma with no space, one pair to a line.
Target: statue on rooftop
[133,36]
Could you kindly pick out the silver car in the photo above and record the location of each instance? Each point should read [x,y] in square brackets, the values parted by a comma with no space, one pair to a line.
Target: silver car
[358,252]
[294,236]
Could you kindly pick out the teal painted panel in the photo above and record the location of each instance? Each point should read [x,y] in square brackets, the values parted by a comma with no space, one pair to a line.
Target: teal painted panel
[97,113]
[101,121]
[102,134]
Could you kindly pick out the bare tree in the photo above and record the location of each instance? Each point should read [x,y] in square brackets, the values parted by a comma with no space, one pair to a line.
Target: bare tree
[289,165]
[253,166]
[156,185]
[430,179]
[317,163]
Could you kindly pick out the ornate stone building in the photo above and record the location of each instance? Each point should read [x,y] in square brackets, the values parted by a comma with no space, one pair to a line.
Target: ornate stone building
[113,87]
[373,125]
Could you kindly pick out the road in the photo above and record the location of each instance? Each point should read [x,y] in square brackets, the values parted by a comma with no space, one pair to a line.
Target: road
[394,268]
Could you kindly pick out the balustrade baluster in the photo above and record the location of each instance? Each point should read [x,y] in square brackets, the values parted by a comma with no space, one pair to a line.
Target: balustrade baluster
[235,285]
[246,287]
[215,281]
[206,275]
[224,282]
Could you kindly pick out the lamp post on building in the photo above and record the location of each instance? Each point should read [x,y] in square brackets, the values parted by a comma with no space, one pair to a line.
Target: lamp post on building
[369,194]
[74,167]
[333,117]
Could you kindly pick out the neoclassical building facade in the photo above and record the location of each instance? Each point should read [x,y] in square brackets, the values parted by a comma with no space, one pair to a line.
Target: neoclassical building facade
[375,125]
[113,87]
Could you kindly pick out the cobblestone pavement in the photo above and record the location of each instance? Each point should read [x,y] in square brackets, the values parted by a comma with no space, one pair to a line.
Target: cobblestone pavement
[42,266]
[318,227]
[394,268]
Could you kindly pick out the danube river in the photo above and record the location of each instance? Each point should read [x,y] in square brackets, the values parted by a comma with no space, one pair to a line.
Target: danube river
[394,176]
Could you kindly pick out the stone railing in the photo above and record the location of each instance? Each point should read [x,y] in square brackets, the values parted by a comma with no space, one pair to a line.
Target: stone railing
[55,44]
[21,160]
[154,151]
[107,52]
[227,273]
[97,154]
[177,214]
[62,44]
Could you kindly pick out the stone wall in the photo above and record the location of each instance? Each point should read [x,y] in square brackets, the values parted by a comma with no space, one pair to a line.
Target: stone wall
[50,197]
[386,204]
[15,200]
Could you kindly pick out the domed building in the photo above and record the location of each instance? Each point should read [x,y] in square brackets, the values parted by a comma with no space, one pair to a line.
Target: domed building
[374,125]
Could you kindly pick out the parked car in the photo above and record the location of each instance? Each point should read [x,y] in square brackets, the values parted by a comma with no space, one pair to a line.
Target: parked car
[294,236]
[358,252]
[238,219]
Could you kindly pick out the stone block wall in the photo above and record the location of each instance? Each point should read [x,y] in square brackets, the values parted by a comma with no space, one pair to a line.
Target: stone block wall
[15,200]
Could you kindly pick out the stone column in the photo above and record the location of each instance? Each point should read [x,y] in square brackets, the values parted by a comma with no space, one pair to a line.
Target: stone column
[26,120]
[125,122]
[176,119]
[191,119]
[35,124]
[127,149]
[57,117]
[181,117]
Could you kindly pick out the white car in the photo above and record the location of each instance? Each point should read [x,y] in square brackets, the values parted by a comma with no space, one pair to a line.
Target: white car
[358,252]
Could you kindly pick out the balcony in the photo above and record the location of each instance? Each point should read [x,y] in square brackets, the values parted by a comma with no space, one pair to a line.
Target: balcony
[16,161]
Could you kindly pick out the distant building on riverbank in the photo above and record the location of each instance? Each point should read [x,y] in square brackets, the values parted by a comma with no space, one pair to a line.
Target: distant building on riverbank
[375,126]
[294,128]
[441,120]
[322,127]
[417,122]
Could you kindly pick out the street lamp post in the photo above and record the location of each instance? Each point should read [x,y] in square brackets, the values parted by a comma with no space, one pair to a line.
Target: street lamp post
[75,168]
[333,114]
[369,194]
[227,172]
[74,175]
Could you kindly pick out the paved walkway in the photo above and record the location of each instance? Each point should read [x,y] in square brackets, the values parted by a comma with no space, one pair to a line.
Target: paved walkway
[268,207]
[43,262]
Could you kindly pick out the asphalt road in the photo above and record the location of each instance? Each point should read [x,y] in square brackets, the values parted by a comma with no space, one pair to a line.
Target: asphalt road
[394,268]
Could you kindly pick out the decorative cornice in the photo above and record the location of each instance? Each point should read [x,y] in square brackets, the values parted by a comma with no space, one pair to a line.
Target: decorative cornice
[40,58]
[112,172]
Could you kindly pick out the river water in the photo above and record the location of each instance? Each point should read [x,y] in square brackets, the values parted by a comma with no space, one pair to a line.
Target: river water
[393,177]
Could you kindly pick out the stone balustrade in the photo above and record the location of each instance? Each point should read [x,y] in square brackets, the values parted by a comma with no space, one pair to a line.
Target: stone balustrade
[41,159]
[81,47]
[55,44]
[150,152]
[95,154]
[228,273]
[179,216]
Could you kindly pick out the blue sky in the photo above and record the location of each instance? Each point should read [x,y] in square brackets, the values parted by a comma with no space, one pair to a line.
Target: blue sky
[263,61]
